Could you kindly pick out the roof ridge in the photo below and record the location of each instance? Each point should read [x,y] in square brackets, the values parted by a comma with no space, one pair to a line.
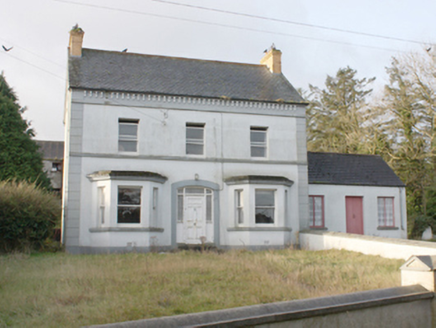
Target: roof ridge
[347,154]
[174,57]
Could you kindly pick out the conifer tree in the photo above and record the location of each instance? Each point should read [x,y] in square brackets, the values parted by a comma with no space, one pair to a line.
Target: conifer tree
[336,115]
[19,156]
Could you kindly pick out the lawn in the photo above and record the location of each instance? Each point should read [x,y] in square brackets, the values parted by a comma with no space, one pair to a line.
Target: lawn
[60,290]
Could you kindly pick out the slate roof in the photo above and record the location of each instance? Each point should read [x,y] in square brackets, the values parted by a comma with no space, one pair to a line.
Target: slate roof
[51,149]
[129,72]
[350,169]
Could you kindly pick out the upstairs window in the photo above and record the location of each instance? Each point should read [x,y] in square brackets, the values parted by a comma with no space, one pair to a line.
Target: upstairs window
[127,135]
[265,206]
[258,141]
[194,138]
[129,205]
[385,206]
[316,211]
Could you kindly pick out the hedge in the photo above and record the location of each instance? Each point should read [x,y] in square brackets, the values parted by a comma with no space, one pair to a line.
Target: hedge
[28,216]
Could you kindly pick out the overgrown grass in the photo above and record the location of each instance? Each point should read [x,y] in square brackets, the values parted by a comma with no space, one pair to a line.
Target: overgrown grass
[59,290]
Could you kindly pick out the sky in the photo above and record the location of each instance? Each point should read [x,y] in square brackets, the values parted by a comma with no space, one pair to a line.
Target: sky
[316,37]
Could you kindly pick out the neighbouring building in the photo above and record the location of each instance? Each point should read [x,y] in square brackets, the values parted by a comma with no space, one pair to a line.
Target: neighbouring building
[53,159]
[162,152]
[356,194]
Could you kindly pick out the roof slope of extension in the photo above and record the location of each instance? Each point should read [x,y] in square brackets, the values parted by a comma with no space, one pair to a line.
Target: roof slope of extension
[350,169]
[51,149]
[129,72]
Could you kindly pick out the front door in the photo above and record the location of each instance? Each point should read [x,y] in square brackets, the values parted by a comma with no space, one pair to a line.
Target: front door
[354,213]
[195,226]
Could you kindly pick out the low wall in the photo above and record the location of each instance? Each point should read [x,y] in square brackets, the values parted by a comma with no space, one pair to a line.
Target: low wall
[385,247]
[408,306]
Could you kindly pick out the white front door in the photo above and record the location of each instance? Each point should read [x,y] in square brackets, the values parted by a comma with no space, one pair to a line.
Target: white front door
[195,217]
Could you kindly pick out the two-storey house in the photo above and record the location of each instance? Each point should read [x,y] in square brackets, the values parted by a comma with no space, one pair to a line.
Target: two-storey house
[164,151]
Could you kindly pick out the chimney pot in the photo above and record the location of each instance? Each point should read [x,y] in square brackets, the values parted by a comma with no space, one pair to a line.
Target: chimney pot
[76,41]
[272,59]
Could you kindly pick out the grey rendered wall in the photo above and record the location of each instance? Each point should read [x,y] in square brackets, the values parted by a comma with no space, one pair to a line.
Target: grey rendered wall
[73,178]
[303,189]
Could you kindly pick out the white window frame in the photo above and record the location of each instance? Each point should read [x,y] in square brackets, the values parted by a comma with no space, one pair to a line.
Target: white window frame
[265,207]
[130,205]
[382,212]
[312,213]
[259,144]
[128,138]
[195,141]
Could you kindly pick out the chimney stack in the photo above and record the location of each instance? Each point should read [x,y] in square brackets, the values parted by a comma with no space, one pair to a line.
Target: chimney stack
[272,59]
[76,40]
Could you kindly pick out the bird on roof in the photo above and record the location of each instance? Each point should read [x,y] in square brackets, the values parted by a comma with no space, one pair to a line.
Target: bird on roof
[125,50]
[6,49]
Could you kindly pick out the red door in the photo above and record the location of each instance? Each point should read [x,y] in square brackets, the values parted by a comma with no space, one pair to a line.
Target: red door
[354,213]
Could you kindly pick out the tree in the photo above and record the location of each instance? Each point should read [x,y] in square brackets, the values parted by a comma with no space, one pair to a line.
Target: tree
[409,104]
[19,156]
[337,115]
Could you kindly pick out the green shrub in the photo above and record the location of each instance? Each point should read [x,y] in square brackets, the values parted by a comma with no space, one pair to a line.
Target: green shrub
[28,216]
[418,224]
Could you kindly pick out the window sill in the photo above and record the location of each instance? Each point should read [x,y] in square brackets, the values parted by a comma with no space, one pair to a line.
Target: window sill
[128,153]
[133,229]
[387,228]
[259,229]
[319,228]
[259,159]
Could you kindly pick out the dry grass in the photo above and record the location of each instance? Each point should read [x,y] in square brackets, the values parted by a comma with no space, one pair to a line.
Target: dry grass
[58,290]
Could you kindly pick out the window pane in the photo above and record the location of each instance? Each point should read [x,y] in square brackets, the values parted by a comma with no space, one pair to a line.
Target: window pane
[238,197]
[258,136]
[127,146]
[194,190]
[129,196]
[264,215]
[101,215]
[129,214]
[318,212]
[194,133]
[128,130]
[240,215]
[101,202]
[385,207]
[153,222]
[258,151]
[194,149]
[389,212]
[311,208]
[381,211]
[264,198]
[180,208]
[209,208]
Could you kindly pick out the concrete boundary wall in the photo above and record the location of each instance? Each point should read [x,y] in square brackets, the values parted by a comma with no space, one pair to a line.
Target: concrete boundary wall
[408,306]
[385,247]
